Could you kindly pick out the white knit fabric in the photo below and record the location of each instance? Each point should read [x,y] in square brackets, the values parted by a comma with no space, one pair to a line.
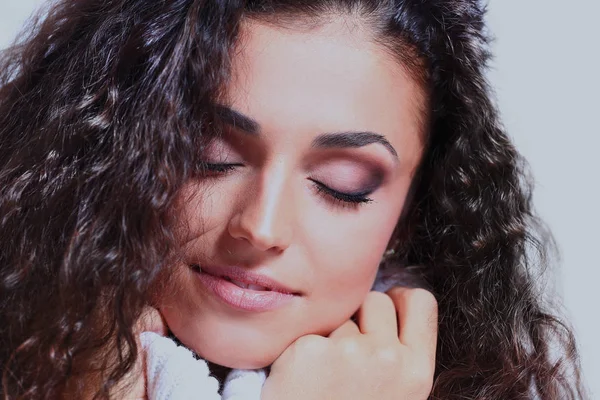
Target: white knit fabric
[173,373]
[243,384]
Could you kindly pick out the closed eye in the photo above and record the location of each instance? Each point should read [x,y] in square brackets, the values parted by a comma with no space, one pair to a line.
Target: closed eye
[340,197]
[335,197]
[207,168]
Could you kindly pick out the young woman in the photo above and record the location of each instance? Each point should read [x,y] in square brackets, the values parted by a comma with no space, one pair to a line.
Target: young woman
[247,168]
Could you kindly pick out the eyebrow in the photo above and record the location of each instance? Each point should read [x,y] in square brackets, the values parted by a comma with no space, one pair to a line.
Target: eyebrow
[338,140]
[238,120]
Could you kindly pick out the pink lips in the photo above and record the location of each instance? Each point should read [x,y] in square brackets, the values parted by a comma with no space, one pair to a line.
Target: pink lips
[244,290]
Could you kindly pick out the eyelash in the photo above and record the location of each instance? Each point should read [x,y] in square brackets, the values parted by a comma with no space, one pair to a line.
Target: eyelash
[221,169]
[339,198]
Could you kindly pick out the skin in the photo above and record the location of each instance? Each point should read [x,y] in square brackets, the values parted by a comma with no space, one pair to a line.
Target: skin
[383,356]
[267,213]
[389,353]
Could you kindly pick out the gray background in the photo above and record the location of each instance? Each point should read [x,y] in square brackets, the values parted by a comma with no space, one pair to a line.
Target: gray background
[546,77]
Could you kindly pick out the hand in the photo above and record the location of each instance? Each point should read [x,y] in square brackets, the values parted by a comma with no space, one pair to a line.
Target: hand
[133,385]
[383,357]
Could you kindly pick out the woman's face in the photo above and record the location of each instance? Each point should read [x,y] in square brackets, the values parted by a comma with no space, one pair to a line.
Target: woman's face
[301,193]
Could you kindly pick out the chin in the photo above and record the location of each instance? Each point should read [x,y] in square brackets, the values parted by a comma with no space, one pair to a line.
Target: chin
[240,355]
[246,360]
[232,345]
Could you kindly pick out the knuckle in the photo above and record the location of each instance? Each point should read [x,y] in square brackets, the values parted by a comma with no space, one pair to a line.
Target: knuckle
[310,344]
[349,346]
[390,355]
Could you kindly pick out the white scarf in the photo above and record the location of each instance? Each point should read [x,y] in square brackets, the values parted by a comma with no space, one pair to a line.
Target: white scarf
[173,373]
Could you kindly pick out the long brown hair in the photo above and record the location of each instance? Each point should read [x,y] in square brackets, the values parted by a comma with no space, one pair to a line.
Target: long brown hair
[103,108]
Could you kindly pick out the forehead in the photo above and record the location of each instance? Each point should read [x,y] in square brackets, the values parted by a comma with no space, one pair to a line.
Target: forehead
[329,78]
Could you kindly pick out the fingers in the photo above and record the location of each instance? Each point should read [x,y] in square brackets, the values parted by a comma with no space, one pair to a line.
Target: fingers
[151,321]
[417,318]
[377,317]
[349,328]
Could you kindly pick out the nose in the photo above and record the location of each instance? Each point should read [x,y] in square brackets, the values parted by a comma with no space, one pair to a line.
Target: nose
[264,218]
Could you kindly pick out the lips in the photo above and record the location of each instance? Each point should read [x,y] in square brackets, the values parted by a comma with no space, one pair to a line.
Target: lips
[247,285]
[244,291]
[245,279]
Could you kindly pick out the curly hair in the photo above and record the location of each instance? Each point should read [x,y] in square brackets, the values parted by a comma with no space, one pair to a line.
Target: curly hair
[103,110]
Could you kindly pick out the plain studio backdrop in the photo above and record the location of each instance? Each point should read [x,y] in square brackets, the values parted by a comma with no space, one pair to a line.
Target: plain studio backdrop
[546,76]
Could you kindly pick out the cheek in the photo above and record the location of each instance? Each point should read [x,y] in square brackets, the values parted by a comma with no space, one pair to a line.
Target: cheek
[346,249]
[350,240]
[202,209]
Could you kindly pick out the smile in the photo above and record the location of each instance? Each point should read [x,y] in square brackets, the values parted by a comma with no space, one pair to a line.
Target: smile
[242,290]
